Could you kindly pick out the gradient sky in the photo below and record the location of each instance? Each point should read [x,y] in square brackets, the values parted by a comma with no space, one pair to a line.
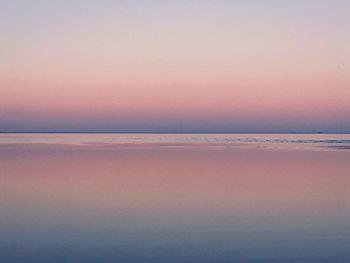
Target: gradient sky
[182,66]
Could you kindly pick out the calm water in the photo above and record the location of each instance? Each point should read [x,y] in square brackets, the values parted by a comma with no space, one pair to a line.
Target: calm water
[174,198]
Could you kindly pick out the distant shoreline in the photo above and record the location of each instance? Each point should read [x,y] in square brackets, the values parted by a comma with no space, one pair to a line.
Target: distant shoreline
[155,132]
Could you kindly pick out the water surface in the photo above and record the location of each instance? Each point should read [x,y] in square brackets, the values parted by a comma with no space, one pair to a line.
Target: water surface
[174,198]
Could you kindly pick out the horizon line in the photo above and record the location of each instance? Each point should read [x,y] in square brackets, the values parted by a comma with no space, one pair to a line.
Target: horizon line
[162,132]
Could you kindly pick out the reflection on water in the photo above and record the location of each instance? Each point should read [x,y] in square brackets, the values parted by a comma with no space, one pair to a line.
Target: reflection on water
[109,198]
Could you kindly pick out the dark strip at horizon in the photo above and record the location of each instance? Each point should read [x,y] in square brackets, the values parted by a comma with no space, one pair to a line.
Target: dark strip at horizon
[154,132]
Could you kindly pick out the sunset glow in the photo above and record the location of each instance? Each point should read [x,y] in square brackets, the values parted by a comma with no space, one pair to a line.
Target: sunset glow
[205,66]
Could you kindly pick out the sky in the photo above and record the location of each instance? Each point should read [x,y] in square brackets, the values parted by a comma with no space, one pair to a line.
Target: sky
[175,66]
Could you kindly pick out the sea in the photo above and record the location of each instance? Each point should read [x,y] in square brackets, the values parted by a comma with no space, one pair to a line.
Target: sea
[99,198]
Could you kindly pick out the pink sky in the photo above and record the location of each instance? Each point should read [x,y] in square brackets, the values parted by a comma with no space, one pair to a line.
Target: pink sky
[138,66]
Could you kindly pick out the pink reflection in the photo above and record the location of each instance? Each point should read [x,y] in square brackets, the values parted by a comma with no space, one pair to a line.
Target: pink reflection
[200,183]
